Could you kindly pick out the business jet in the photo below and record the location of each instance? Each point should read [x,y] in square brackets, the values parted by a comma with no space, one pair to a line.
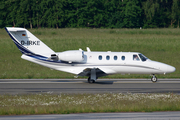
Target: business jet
[85,63]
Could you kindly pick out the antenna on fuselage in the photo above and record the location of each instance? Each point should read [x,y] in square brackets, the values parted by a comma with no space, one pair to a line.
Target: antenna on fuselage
[88,50]
[80,49]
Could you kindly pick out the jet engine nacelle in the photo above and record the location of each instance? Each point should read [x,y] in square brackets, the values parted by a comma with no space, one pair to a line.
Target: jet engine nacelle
[72,56]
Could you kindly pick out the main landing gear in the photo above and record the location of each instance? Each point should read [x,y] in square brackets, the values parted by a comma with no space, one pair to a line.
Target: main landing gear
[92,78]
[154,78]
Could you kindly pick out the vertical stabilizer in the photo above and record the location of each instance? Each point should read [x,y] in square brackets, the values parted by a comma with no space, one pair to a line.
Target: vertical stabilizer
[27,42]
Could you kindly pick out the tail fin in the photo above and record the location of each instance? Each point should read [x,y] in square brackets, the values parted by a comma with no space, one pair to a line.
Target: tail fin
[27,42]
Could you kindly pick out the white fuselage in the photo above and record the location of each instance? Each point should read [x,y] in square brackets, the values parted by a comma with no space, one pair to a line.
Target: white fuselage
[108,62]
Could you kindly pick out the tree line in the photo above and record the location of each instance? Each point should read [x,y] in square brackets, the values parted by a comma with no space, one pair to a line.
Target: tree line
[90,13]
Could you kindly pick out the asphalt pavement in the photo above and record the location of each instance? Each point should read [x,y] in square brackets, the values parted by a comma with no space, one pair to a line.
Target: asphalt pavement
[56,86]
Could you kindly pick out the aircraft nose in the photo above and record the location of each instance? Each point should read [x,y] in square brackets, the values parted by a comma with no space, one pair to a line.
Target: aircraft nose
[170,69]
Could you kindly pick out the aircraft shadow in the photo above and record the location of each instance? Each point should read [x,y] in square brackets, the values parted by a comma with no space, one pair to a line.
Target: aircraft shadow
[103,82]
[97,82]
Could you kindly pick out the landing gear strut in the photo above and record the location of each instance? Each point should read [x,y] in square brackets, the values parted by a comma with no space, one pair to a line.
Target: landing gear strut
[92,78]
[154,78]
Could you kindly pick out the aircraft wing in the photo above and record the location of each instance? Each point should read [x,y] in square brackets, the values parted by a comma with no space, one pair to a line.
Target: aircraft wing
[99,72]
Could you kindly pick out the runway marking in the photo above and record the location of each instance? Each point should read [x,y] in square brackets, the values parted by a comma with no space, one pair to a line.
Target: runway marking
[39,82]
[84,81]
[115,82]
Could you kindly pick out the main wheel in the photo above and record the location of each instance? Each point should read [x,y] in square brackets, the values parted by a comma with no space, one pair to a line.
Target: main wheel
[91,80]
[154,79]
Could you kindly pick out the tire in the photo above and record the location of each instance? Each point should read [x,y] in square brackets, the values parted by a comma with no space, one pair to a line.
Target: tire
[154,79]
[91,81]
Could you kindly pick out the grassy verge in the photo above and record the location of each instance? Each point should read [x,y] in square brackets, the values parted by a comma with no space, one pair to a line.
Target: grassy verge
[157,44]
[86,103]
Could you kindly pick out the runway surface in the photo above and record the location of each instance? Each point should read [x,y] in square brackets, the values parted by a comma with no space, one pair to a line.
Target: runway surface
[56,86]
[100,116]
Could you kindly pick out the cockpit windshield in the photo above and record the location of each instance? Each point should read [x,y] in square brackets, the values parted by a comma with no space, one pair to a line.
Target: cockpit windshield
[143,58]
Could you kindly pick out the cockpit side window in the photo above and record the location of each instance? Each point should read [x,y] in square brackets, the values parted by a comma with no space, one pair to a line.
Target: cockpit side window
[136,58]
[143,58]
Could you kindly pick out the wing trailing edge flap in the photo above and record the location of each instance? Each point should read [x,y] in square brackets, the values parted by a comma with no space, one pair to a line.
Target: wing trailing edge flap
[99,72]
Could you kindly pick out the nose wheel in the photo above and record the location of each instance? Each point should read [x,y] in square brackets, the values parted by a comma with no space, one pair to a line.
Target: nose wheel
[154,79]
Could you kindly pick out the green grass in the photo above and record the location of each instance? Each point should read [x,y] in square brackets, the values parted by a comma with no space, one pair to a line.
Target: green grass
[87,103]
[157,44]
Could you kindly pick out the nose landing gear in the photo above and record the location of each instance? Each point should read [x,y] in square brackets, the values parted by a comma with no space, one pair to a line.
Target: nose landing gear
[154,78]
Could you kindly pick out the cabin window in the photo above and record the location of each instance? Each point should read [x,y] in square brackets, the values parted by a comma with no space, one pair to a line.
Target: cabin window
[100,57]
[115,57]
[107,57]
[123,57]
[136,58]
